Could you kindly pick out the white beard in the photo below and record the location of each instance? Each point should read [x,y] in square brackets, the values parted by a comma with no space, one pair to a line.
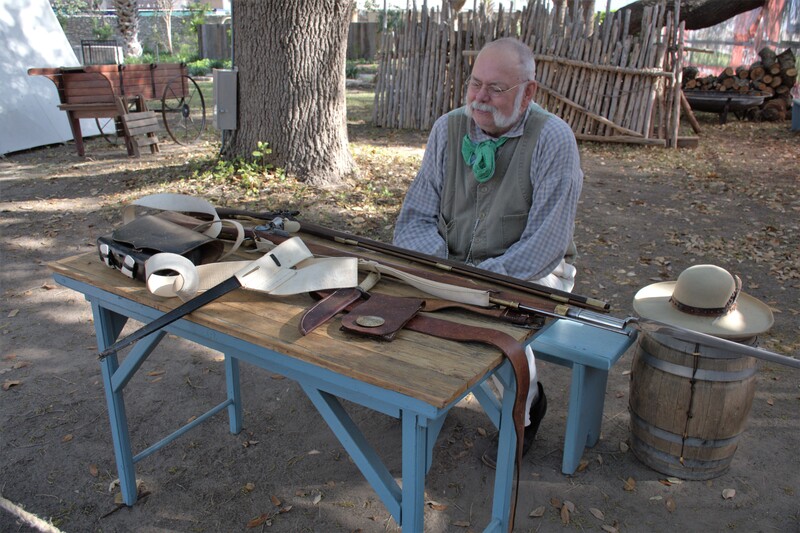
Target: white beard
[501,121]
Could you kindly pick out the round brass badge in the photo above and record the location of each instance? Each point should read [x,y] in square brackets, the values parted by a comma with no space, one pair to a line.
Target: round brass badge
[370,321]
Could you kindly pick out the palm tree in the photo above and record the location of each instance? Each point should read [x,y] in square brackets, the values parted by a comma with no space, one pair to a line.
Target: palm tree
[128,24]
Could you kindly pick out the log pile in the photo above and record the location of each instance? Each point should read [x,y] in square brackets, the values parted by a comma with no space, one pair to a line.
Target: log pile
[774,75]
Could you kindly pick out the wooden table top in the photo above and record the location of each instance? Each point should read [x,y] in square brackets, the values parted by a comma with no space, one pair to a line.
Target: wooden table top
[430,369]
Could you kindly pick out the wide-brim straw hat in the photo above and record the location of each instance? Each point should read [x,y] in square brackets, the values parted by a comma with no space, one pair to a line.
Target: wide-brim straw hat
[708,299]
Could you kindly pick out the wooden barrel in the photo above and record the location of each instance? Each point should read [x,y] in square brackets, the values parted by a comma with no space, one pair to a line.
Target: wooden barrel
[688,407]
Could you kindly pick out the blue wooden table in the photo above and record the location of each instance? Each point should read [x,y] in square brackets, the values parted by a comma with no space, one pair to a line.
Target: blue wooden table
[416,378]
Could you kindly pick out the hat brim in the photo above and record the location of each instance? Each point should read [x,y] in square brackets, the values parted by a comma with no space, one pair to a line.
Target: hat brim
[750,318]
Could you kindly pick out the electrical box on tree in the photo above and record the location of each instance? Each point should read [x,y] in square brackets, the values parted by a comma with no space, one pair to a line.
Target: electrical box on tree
[225,98]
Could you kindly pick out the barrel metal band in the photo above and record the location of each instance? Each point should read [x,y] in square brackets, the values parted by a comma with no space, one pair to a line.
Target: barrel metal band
[701,374]
[696,442]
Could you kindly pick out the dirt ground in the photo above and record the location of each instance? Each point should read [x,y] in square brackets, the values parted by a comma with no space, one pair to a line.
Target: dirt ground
[646,214]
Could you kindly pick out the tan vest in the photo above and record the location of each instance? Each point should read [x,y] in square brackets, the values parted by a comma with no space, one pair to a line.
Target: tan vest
[482,220]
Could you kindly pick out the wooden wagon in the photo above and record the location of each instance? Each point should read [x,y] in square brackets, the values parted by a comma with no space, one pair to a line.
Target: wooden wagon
[116,97]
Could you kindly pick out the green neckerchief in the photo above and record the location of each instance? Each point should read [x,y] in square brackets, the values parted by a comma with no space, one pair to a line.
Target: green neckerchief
[480,156]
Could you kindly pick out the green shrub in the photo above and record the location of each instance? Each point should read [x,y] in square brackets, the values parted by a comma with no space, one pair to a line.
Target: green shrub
[102,30]
[351,70]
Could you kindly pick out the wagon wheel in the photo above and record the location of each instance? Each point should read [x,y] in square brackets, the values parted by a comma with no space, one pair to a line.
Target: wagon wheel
[111,129]
[183,109]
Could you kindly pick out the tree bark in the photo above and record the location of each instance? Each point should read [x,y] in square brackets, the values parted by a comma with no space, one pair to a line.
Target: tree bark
[291,61]
[128,25]
[697,13]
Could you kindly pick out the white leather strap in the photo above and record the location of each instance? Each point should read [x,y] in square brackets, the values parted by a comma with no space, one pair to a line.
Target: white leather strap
[287,269]
[453,293]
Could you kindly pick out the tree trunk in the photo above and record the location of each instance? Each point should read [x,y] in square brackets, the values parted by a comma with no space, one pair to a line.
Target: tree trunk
[291,60]
[128,25]
[697,13]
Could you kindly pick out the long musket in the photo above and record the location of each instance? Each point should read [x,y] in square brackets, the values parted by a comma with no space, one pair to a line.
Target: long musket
[447,265]
[564,310]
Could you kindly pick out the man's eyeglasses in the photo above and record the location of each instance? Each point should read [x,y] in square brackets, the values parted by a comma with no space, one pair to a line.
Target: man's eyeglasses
[492,89]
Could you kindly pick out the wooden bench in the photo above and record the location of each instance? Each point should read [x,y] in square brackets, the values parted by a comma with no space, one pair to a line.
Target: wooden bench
[111,91]
[590,352]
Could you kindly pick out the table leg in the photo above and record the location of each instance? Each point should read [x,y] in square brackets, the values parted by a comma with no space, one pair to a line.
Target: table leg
[362,453]
[107,328]
[414,454]
[234,393]
[75,126]
[506,451]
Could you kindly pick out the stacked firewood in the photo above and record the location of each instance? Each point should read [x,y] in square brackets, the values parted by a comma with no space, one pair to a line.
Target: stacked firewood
[773,76]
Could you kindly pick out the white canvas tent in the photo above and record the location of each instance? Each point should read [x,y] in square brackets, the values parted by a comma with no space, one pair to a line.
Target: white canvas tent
[30,36]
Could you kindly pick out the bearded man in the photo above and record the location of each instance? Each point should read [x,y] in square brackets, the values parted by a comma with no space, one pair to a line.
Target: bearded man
[498,188]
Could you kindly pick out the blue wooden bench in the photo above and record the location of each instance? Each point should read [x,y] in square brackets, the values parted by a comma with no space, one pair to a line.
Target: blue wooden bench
[590,352]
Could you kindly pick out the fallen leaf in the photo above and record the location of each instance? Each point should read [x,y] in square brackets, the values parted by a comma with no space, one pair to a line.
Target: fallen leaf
[770,402]
[285,509]
[314,452]
[481,432]
[656,498]
[564,515]
[67,437]
[436,506]
[7,384]
[275,501]
[582,465]
[569,505]
[156,372]
[670,504]
[9,357]
[728,494]
[538,512]
[609,529]
[597,513]
[93,470]
[675,480]
[317,498]
[13,313]
[623,446]
[249,487]
[277,377]
[257,521]
[555,502]
[461,523]
[630,484]
[48,287]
